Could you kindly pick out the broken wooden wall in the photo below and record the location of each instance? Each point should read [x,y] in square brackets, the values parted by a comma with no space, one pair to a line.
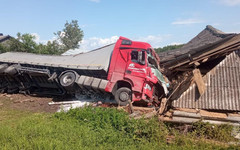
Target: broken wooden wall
[222,88]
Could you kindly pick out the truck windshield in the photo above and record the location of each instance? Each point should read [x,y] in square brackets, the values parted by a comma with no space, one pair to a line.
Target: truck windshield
[151,60]
[155,69]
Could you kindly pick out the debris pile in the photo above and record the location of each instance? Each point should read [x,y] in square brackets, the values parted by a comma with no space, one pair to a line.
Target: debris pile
[205,77]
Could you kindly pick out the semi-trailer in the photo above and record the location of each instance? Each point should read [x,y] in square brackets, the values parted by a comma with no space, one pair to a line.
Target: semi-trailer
[126,70]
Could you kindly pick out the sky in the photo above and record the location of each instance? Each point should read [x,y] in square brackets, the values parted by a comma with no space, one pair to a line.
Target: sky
[158,22]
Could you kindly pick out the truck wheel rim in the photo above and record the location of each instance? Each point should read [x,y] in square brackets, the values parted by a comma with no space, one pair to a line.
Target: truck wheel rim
[67,79]
[124,96]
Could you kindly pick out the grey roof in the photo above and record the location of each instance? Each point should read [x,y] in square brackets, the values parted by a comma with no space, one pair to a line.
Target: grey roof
[93,60]
[223,88]
[207,38]
[5,37]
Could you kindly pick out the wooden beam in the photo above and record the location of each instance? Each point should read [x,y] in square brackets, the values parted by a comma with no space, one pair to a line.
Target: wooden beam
[162,106]
[199,81]
[183,69]
[196,63]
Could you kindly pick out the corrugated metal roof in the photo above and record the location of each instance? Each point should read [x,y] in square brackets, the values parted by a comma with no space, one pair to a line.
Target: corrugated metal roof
[223,88]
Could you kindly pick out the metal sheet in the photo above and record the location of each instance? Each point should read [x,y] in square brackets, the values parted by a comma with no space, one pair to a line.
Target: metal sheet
[93,60]
[223,88]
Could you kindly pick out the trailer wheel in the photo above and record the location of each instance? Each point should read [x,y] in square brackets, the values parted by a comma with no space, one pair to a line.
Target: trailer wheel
[67,79]
[123,95]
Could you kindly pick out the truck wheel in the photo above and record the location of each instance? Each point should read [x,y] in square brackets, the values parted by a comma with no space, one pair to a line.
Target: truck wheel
[67,79]
[123,95]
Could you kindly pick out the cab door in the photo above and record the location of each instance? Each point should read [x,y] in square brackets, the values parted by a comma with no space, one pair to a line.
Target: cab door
[136,68]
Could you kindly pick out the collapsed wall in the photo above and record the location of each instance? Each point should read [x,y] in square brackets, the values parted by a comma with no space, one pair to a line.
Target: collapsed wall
[207,51]
[222,88]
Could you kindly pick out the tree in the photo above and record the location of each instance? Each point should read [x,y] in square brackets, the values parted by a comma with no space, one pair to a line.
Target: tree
[168,48]
[69,38]
[23,43]
[2,48]
[71,35]
[52,48]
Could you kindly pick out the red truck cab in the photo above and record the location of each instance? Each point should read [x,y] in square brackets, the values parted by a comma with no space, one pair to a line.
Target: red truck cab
[134,73]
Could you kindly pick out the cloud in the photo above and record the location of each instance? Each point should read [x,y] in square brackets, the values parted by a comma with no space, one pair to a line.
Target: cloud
[187,21]
[154,40]
[96,1]
[39,40]
[176,43]
[96,42]
[230,2]
[91,44]
[37,37]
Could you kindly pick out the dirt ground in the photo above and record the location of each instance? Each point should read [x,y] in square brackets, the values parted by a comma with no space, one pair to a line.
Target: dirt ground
[27,103]
[41,104]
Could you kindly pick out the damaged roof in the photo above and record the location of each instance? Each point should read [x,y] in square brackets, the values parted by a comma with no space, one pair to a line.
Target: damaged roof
[209,41]
[223,88]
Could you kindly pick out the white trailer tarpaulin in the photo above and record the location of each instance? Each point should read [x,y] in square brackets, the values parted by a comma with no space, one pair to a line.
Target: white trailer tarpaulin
[97,59]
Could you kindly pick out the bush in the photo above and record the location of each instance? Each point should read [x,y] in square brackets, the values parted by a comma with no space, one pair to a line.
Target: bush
[99,119]
[210,131]
[98,128]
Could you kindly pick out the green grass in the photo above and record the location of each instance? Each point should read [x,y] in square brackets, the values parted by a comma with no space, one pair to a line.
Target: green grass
[100,128]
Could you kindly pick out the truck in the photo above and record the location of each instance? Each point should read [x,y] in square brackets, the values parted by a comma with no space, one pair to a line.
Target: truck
[126,70]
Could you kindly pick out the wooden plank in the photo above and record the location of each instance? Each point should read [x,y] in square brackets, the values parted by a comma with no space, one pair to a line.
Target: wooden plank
[143,108]
[130,106]
[196,63]
[163,106]
[209,114]
[215,53]
[187,110]
[184,69]
[199,81]
[233,42]
[186,114]
[177,119]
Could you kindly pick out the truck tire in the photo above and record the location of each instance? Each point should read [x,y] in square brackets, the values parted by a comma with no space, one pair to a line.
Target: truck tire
[67,79]
[123,95]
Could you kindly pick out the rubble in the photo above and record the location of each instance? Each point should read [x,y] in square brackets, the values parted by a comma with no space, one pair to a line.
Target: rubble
[204,75]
